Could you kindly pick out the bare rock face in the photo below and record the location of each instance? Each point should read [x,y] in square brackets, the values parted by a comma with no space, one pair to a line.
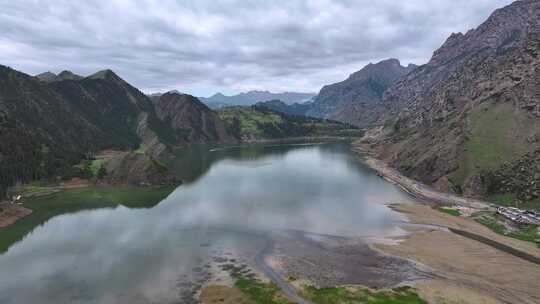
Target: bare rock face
[138,169]
[356,100]
[47,77]
[191,120]
[473,107]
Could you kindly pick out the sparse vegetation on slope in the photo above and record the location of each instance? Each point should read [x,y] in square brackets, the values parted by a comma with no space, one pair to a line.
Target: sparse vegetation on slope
[497,135]
[260,292]
[471,110]
[262,123]
[500,225]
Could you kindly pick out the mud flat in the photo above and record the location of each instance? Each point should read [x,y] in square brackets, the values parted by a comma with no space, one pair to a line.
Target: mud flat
[295,259]
[329,261]
[467,271]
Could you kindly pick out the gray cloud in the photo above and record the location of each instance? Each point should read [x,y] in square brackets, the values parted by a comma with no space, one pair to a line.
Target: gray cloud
[201,46]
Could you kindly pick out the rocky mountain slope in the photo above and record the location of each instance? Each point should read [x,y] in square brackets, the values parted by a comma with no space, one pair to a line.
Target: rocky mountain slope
[473,110]
[64,75]
[40,131]
[47,126]
[252,97]
[357,99]
[191,120]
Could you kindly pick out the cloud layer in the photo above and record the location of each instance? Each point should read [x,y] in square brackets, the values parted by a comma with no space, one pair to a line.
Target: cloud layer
[203,46]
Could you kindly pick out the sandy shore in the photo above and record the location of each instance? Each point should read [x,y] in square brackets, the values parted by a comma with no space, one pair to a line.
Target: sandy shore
[467,271]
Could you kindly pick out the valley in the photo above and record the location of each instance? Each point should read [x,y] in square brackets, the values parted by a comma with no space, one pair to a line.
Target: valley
[399,183]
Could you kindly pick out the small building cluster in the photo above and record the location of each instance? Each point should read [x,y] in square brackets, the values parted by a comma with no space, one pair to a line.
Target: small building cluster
[16,199]
[519,215]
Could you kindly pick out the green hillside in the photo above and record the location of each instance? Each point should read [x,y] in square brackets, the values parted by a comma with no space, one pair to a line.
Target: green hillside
[262,123]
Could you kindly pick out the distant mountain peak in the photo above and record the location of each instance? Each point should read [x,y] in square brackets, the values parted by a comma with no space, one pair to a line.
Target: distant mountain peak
[256,92]
[52,77]
[219,100]
[174,92]
[105,74]
[356,99]
[47,76]
[388,67]
[68,75]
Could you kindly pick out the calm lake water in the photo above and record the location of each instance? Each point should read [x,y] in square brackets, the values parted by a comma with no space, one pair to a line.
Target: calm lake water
[232,196]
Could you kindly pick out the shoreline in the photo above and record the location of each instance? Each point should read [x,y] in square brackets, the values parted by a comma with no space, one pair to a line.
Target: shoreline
[416,188]
[305,139]
[464,265]
[473,264]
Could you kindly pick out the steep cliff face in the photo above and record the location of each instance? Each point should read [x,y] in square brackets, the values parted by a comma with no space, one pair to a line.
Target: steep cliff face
[190,119]
[357,99]
[474,107]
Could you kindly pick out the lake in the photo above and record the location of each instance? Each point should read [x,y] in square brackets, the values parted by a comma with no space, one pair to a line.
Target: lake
[232,198]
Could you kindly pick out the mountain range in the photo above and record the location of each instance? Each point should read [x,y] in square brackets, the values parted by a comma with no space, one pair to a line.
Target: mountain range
[252,97]
[469,120]
[356,100]
[50,123]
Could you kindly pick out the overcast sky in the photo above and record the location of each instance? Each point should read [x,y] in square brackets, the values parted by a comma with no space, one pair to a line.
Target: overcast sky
[202,47]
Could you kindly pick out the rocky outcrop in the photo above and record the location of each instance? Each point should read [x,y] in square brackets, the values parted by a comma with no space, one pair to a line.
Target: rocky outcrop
[47,77]
[520,177]
[357,99]
[68,75]
[473,108]
[139,169]
[190,119]
[64,75]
